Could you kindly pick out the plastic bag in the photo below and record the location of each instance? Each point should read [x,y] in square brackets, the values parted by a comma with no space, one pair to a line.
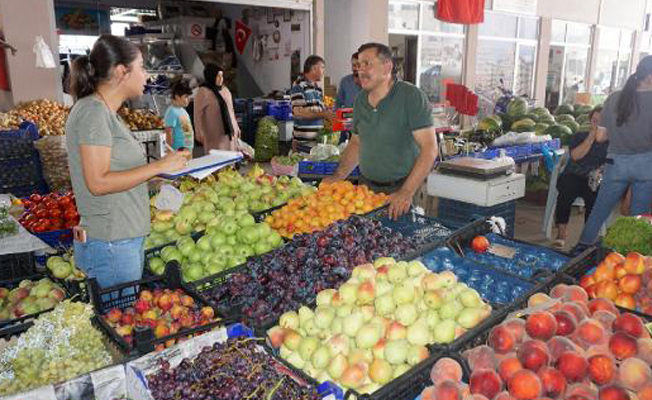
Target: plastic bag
[323,152]
[54,157]
[245,149]
[44,58]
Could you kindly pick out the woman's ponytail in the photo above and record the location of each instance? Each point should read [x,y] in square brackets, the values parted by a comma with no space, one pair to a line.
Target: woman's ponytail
[83,80]
[89,71]
[628,99]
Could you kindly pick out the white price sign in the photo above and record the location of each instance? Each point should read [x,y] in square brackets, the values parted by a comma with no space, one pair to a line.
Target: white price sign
[169,198]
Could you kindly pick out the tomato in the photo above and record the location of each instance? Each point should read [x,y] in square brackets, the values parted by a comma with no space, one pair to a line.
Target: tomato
[27,204]
[53,196]
[480,244]
[29,217]
[35,198]
[56,213]
[38,228]
[65,201]
[29,225]
[70,224]
[41,213]
[57,223]
[70,214]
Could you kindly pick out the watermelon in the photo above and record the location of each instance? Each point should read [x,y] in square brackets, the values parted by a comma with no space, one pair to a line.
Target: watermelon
[584,128]
[540,128]
[489,124]
[572,125]
[497,118]
[564,109]
[507,121]
[517,107]
[559,132]
[582,109]
[523,125]
[564,117]
[547,119]
[534,117]
[541,111]
[582,119]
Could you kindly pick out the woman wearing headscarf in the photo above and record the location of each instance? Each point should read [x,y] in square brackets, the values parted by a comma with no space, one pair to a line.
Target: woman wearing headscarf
[215,124]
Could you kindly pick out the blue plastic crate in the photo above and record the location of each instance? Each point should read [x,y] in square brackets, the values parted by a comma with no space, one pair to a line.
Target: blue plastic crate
[21,171]
[59,239]
[458,213]
[494,286]
[425,230]
[26,131]
[311,168]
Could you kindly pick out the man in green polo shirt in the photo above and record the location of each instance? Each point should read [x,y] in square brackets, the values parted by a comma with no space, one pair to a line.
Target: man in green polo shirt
[394,140]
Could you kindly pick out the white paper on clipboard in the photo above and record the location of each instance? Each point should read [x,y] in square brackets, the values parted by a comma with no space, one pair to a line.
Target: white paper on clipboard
[202,167]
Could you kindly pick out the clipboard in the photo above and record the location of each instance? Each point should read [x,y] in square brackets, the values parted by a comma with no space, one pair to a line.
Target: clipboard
[215,160]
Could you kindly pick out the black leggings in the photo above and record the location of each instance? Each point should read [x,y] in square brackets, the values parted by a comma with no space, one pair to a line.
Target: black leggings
[570,187]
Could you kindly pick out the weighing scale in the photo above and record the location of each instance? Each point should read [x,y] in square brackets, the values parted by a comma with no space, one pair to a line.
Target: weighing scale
[481,182]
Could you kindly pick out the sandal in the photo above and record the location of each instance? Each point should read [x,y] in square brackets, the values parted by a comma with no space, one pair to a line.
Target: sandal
[559,244]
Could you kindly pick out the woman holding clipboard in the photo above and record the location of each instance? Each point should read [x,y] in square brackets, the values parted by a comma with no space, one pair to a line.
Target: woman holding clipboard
[108,168]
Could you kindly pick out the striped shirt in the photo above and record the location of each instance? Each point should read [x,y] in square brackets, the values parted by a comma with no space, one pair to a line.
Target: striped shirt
[305,93]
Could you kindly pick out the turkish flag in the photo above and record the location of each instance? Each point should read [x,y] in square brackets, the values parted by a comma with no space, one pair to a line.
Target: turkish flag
[242,33]
[461,11]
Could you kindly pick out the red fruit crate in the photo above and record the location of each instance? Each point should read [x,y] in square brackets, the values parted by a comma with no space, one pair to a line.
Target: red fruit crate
[126,295]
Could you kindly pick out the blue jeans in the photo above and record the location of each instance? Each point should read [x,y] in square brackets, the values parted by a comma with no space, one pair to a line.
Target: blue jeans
[111,263]
[633,170]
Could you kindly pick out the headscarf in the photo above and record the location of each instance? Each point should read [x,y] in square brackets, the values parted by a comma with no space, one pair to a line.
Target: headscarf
[210,75]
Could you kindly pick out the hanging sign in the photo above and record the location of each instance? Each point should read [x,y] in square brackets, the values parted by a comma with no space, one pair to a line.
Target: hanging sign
[242,33]
[516,6]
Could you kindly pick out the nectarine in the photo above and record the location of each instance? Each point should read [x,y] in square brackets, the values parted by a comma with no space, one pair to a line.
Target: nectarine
[553,382]
[508,365]
[541,325]
[533,354]
[501,339]
[486,382]
[602,369]
[525,385]
[573,365]
[629,323]
[623,345]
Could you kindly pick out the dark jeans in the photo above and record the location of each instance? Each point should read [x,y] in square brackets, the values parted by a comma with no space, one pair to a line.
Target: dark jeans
[387,189]
[570,187]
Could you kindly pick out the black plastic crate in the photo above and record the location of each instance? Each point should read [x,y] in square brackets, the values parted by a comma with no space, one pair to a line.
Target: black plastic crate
[426,231]
[585,261]
[124,295]
[16,266]
[458,214]
[155,251]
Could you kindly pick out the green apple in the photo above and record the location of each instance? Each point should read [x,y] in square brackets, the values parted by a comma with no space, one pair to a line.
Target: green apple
[217,239]
[248,235]
[205,216]
[213,268]
[232,240]
[205,257]
[246,220]
[204,243]
[241,205]
[262,247]
[186,248]
[184,240]
[225,251]
[244,251]
[229,228]
[275,239]
[167,250]
[195,271]
[156,263]
[236,260]
[195,256]
[175,254]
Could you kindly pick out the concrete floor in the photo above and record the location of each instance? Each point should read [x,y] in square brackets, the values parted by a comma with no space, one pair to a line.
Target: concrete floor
[529,225]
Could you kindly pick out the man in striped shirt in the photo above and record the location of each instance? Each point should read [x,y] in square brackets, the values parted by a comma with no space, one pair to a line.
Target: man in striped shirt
[308,100]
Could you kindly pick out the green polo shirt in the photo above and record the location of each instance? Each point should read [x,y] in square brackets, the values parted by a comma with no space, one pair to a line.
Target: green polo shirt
[388,150]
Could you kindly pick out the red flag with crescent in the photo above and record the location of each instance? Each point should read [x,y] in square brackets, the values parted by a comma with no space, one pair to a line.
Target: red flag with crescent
[242,33]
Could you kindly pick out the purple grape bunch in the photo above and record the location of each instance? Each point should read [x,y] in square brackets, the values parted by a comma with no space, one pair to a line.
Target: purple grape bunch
[292,275]
[233,370]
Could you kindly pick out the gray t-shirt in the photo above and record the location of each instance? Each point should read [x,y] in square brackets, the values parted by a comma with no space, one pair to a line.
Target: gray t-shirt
[114,216]
[634,136]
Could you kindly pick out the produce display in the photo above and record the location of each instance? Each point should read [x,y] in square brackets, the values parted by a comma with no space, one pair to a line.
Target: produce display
[29,297]
[61,345]
[291,159]
[50,116]
[225,245]
[8,225]
[566,348]
[234,370]
[627,281]
[377,324]
[54,159]
[292,275]
[63,267]
[140,120]
[267,137]
[630,234]
[9,122]
[331,202]
[165,311]
[51,212]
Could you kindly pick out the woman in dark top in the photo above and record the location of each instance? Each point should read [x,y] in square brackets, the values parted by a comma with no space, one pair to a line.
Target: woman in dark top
[587,154]
[628,123]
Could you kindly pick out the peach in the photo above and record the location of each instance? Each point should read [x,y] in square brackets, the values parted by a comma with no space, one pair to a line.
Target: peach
[613,392]
[481,357]
[634,263]
[606,318]
[614,258]
[525,385]
[620,271]
[591,332]
[645,393]
[623,345]
[573,365]
[629,323]
[517,327]
[582,391]
[602,304]
[533,354]
[604,272]
[486,382]
[576,294]
[602,369]
[607,289]
[566,323]
[541,325]
[560,344]
[625,300]
[446,369]
[276,336]
[475,396]
[553,382]
[501,339]
[536,299]
[448,390]
[508,366]
[576,309]
[634,374]
[428,393]
[630,283]
[558,291]
[504,395]
[587,280]
[645,349]
[114,315]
